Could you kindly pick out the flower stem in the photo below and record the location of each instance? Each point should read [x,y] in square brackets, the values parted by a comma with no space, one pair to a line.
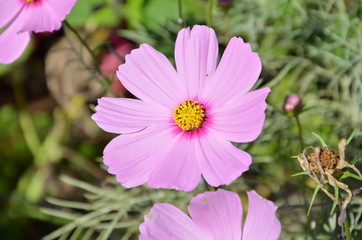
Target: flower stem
[300,132]
[209,13]
[347,231]
[105,81]
[180,19]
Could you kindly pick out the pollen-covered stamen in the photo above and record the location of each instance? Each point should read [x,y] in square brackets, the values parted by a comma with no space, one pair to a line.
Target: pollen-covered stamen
[189,115]
[30,1]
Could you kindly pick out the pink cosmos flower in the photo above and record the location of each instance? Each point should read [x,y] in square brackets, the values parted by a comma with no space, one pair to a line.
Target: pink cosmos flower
[214,216]
[21,17]
[184,121]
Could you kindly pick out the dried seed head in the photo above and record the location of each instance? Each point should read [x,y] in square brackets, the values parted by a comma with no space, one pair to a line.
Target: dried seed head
[328,159]
[323,164]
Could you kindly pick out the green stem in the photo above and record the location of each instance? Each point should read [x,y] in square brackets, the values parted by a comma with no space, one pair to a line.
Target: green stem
[105,81]
[300,132]
[209,13]
[347,231]
[180,19]
[19,91]
[66,23]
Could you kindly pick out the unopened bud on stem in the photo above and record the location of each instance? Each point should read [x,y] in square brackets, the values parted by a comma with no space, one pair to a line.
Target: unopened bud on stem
[225,3]
[292,104]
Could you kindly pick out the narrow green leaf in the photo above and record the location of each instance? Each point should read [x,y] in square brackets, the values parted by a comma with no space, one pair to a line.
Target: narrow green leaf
[65,236]
[323,143]
[299,174]
[105,193]
[59,214]
[336,194]
[77,233]
[355,160]
[352,135]
[316,190]
[80,184]
[71,204]
[30,134]
[81,221]
[125,225]
[107,232]
[88,235]
[352,175]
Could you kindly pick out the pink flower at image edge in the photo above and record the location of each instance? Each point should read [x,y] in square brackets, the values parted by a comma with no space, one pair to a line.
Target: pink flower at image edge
[183,125]
[213,216]
[22,17]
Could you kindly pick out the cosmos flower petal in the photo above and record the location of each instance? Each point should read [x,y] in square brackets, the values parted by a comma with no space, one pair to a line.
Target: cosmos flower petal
[12,43]
[195,55]
[200,111]
[261,222]
[237,72]
[218,213]
[214,216]
[124,115]
[219,161]
[177,168]
[45,16]
[242,118]
[8,10]
[62,8]
[168,222]
[132,157]
[150,76]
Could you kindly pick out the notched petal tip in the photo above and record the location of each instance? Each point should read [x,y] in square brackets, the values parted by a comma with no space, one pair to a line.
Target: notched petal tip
[237,40]
[184,31]
[202,31]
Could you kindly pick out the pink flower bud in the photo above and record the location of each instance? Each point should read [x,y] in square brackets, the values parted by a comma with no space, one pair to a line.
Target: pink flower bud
[292,104]
[225,3]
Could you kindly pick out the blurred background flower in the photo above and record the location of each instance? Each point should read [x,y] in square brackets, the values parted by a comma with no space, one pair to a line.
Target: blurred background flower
[23,17]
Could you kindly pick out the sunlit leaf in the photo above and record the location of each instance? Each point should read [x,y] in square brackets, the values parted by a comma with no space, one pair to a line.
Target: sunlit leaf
[323,143]
[352,135]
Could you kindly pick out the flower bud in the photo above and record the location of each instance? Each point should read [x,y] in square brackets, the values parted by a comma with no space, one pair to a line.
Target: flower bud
[225,3]
[292,104]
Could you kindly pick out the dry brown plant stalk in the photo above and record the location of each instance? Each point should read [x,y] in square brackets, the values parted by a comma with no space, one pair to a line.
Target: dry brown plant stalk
[322,164]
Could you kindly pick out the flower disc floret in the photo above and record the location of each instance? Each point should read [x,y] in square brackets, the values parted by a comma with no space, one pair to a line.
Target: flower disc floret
[189,115]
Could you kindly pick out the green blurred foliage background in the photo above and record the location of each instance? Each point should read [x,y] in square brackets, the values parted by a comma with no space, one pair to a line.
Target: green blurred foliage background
[52,181]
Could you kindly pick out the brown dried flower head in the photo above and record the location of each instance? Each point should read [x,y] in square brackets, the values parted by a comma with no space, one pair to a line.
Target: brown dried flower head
[328,160]
[322,164]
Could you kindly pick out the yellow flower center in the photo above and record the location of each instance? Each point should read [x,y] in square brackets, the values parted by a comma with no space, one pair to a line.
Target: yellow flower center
[189,115]
[30,1]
